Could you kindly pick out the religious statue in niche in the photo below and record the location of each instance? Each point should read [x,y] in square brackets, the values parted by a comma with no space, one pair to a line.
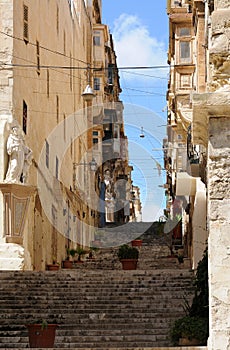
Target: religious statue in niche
[109,197]
[20,156]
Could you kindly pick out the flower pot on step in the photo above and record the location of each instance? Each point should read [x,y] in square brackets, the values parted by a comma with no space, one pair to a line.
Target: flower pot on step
[41,336]
[137,243]
[52,267]
[129,264]
[67,264]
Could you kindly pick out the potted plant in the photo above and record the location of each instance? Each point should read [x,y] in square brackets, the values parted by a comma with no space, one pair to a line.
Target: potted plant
[54,266]
[128,256]
[67,263]
[136,242]
[190,330]
[41,334]
[80,251]
[91,253]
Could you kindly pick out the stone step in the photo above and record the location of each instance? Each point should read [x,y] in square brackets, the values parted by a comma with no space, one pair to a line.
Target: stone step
[98,308]
[128,348]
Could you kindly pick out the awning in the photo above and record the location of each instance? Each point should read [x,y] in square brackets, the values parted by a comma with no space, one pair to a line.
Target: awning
[185,184]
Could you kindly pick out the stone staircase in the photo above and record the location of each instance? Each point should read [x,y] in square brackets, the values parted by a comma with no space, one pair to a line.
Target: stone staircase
[94,309]
[96,304]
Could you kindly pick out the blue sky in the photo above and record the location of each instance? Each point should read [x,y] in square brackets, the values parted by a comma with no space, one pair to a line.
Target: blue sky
[140,32]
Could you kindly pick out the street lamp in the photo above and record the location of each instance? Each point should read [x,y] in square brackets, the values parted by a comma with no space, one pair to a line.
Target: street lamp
[142,132]
[88,94]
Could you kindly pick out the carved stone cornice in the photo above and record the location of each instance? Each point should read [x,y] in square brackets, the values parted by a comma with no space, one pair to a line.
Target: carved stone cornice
[216,104]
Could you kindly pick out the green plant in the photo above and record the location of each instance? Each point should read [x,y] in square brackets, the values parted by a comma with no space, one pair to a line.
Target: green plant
[67,253]
[180,258]
[54,261]
[91,252]
[200,303]
[80,251]
[190,327]
[72,252]
[127,252]
[196,323]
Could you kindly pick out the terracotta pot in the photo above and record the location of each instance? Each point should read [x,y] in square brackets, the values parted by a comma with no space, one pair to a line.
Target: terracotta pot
[53,267]
[40,337]
[187,341]
[137,243]
[129,264]
[67,264]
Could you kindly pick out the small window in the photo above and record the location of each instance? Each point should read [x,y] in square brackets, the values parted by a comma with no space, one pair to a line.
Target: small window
[56,167]
[97,38]
[48,83]
[95,133]
[184,31]
[71,72]
[47,154]
[57,20]
[57,108]
[25,24]
[64,43]
[95,143]
[64,127]
[38,56]
[96,84]
[111,68]
[24,119]
[185,53]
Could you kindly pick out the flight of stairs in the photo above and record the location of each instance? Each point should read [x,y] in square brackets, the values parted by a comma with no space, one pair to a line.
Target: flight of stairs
[93,308]
[96,304]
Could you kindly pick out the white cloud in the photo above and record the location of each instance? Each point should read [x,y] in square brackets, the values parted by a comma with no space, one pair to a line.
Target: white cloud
[134,45]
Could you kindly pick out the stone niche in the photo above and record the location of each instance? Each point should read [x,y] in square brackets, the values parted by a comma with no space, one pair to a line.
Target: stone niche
[14,206]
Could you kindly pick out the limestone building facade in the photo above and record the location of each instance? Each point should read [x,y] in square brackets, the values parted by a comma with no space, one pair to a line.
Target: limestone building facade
[198,111]
[49,54]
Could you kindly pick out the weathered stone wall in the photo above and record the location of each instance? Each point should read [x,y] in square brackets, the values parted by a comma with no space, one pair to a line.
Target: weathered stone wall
[219,226]
[222,4]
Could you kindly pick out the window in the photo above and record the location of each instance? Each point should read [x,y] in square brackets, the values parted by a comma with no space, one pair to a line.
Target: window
[71,72]
[24,118]
[38,56]
[25,23]
[64,127]
[111,68]
[64,43]
[95,139]
[96,84]
[185,52]
[56,167]
[48,83]
[184,31]
[95,143]
[57,20]
[57,108]
[47,154]
[97,38]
